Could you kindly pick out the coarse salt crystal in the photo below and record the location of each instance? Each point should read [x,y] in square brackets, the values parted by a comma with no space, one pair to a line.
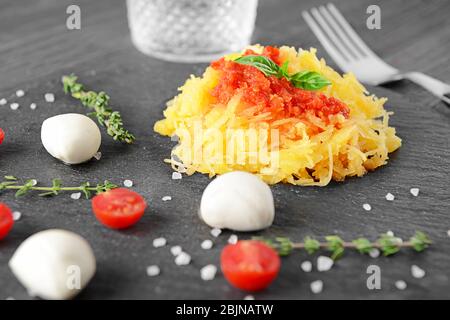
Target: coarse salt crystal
[3,101]
[128,183]
[215,232]
[206,244]
[98,155]
[316,286]
[49,97]
[33,106]
[374,253]
[76,195]
[390,197]
[448,233]
[324,263]
[33,182]
[249,297]
[417,272]
[176,250]
[400,285]
[414,191]
[14,106]
[20,93]
[367,207]
[176,175]
[390,233]
[16,215]
[182,259]
[233,239]
[166,198]
[306,266]
[153,271]
[208,272]
[159,242]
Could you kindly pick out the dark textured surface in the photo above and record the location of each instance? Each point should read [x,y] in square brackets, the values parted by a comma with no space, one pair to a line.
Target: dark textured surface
[36,49]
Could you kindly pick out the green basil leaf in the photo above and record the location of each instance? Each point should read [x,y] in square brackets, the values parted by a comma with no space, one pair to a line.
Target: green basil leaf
[309,80]
[283,72]
[264,64]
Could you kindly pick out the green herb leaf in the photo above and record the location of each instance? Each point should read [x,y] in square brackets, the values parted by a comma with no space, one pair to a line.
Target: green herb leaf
[336,246]
[363,245]
[10,178]
[388,244]
[56,187]
[311,245]
[106,117]
[420,241]
[46,194]
[309,80]
[4,184]
[262,63]
[85,189]
[104,187]
[24,189]
[285,246]
[283,71]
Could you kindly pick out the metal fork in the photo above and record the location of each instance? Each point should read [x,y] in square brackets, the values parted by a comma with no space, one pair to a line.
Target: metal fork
[351,54]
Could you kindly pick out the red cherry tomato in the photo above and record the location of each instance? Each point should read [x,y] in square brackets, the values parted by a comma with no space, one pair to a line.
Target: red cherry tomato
[118,208]
[2,135]
[250,265]
[6,220]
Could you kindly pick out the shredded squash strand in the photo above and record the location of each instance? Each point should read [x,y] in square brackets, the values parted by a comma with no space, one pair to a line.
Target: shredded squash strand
[307,151]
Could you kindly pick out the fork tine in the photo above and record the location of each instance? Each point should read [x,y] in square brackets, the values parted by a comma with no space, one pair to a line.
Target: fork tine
[341,34]
[350,31]
[331,36]
[340,59]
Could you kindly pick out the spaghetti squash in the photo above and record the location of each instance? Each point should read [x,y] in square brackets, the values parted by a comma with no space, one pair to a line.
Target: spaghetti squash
[239,116]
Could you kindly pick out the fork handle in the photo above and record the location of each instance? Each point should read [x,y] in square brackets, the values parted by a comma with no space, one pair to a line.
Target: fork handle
[435,86]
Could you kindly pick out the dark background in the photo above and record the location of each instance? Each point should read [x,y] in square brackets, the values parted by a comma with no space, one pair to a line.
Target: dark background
[36,49]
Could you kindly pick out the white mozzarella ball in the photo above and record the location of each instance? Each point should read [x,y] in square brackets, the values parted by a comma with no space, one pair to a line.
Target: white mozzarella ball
[72,138]
[54,264]
[238,201]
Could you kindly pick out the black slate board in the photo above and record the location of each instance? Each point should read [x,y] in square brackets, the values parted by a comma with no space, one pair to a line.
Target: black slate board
[139,87]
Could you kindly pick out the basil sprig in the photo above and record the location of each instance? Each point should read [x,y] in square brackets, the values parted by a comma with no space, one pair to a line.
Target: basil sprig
[308,80]
[264,64]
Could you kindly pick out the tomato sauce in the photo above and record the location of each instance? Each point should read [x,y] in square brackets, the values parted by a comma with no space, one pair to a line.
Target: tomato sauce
[270,94]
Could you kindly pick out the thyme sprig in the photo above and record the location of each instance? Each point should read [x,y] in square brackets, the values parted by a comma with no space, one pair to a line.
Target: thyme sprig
[388,244]
[12,183]
[106,117]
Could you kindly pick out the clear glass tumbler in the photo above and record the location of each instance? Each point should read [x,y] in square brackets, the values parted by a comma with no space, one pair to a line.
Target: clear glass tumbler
[191,30]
